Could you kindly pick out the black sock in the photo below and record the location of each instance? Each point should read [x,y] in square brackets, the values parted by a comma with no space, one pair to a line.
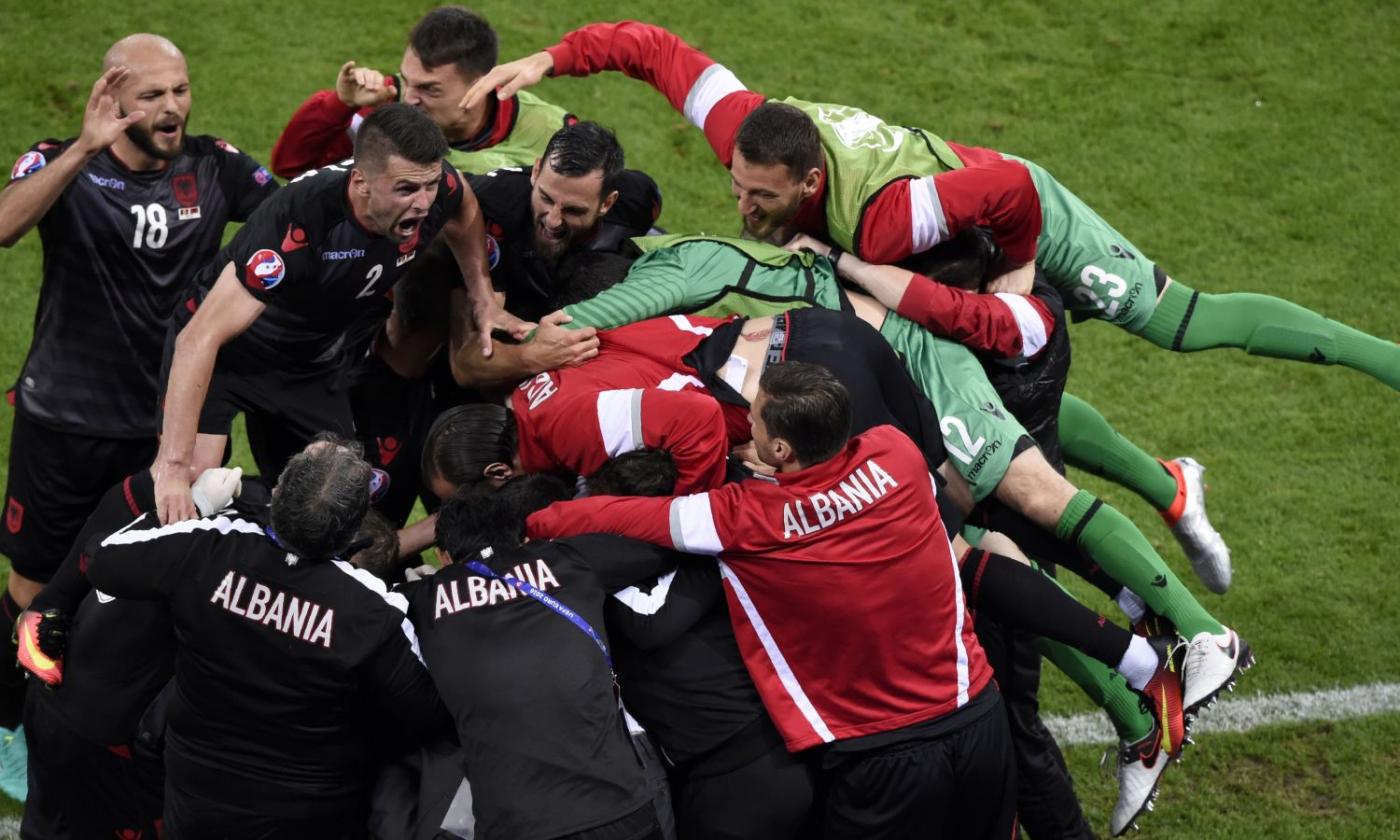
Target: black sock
[1019,595]
[11,675]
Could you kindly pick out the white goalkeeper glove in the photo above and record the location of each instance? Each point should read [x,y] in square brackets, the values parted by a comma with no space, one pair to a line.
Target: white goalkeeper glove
[215,488]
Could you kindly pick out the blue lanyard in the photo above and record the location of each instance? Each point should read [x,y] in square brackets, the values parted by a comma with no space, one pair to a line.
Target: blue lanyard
[277,541]
[549,601]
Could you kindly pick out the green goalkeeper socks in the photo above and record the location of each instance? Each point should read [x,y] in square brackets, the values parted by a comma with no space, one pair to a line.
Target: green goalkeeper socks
[1262,325]
[1092,445]
[1104,686]
[1116,545]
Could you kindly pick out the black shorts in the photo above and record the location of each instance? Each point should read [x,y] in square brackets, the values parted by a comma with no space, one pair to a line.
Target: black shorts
[55,480]
[881,390]
[78,789]
[392,418]
[961,784]
[300,404]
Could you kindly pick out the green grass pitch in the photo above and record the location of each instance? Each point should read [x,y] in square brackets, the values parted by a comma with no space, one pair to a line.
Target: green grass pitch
[1245,147]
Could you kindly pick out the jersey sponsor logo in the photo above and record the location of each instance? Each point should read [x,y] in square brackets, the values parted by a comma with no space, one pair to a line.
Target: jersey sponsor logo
[272,608]
[976,467]
[294,238]
[347,254]
[404,258]
[476,591]
[109,183]
[858,130]
[187,214]
[226,146]
[28,163]
[493,253]
[388,449]
[14,516]
[866,485]
[264,270]
[261,176]
[103,597]
[991,408]
[539,389]
[186,188]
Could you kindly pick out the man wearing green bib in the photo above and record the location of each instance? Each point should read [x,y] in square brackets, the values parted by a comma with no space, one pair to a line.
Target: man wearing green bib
[845,176]
[447,50]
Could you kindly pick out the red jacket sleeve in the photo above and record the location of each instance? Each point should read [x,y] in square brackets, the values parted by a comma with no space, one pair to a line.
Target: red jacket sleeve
[1005,325]
[912,215]
[705,92]
[696,524]
[645,519]
[317,134]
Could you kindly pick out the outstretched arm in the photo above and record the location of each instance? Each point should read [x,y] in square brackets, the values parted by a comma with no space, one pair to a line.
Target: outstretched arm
[1006,325]
[709,95]
[225,313]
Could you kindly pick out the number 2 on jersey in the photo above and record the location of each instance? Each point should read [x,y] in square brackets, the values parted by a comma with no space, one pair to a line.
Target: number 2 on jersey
[150,225]
[370,280]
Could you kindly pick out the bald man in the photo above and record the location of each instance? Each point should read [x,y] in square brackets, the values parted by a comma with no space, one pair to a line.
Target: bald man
[126,211]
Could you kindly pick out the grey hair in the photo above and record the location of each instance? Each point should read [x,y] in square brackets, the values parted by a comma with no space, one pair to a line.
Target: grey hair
[321,498]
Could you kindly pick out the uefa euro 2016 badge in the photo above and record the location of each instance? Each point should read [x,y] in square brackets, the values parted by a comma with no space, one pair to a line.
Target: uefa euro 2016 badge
[28,164]
[264,270]
[493,252]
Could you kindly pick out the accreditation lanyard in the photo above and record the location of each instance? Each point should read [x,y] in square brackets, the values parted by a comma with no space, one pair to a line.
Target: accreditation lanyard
[553,603]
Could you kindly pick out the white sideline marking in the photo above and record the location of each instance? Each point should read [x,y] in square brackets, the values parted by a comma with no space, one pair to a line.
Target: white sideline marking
[1246,713]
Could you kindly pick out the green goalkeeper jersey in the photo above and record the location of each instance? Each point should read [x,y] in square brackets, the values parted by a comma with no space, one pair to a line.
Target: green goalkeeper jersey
[719,276]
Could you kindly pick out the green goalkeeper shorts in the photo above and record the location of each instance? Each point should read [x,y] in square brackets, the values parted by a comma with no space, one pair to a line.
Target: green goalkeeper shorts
[980,434]
[1097,271]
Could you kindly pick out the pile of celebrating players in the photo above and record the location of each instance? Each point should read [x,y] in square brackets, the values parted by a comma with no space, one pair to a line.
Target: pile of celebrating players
[732,536]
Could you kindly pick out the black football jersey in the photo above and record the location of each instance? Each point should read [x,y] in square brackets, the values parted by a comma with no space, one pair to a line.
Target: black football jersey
[524,276]
[119,247]
[544,743]
[282,663]
[321,274]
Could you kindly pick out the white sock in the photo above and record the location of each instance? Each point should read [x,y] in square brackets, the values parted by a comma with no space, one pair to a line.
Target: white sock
[1131,605]
[1139,663]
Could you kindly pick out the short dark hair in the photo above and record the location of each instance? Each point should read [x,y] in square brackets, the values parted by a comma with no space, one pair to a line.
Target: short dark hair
[458,36]
[478,517]
[321,498]
[584,148]
[398,129]
[466,439]
[967,260]
[643,472]
[808,407]
[583,274]
[776,132]
[376,548]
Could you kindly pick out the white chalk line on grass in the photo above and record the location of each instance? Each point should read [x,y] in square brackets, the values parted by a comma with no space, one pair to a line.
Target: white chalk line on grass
[1242,714]
[1229,715]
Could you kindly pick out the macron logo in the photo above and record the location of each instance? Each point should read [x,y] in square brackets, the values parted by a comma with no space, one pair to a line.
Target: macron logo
[109,183]
[348,254]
